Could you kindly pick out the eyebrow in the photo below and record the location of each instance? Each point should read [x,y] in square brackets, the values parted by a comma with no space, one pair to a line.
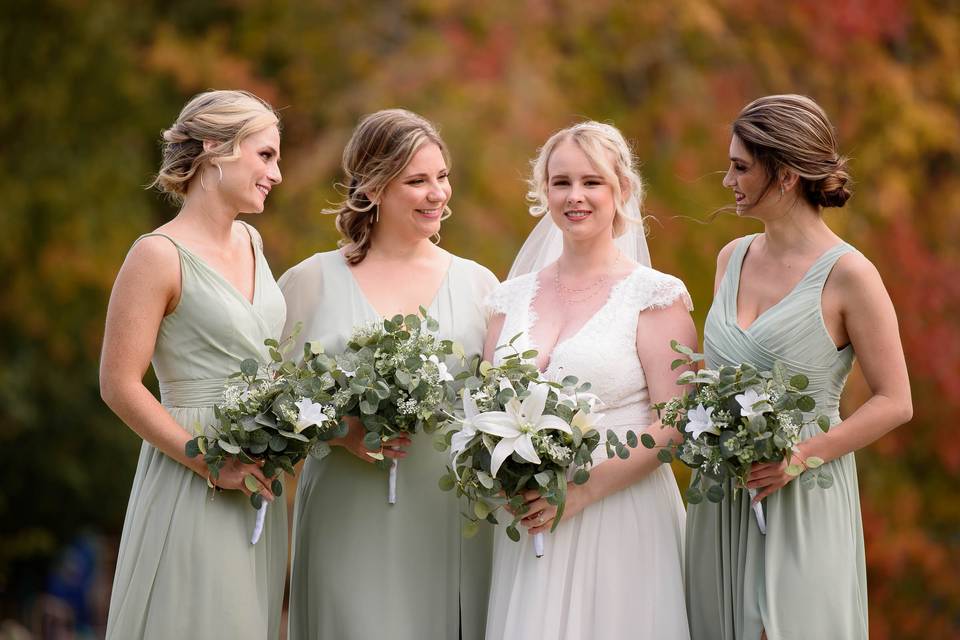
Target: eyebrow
[424,174]
[737,159]
[271,149]
[587,176]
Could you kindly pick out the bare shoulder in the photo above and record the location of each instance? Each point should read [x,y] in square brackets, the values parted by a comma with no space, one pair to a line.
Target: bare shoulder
[854,274]
[724,256]
[154,255]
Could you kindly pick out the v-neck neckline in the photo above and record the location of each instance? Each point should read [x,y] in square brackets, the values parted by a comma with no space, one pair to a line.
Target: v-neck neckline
[739,276]
[369,304]
[251,302]
[532,317]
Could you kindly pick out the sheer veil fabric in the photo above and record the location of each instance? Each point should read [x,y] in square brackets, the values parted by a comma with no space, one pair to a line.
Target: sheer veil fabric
[545,243]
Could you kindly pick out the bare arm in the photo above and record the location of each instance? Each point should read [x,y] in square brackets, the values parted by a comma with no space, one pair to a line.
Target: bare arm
[871,324]
[655,329]
[148,288]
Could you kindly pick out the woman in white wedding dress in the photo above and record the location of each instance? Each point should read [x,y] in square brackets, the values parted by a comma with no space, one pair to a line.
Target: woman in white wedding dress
[613,568]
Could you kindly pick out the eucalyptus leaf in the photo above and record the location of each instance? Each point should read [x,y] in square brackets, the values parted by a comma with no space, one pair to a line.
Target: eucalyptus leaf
[249,367]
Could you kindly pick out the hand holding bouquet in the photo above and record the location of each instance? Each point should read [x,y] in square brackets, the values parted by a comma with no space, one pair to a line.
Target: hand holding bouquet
[735,417]
[519,432]
[393,377]
[271,414]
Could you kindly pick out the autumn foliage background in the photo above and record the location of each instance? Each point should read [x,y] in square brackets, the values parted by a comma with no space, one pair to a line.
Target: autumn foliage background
[86,87]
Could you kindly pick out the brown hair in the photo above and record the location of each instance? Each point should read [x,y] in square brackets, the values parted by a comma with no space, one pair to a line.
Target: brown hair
[223,117]
[379,150]
[792,132]
[608,152]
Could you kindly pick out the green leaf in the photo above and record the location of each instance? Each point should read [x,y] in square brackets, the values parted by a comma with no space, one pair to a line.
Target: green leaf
[715,493]
[277,443]
[647,440]
[824,423]
[251,483]
[694,495]
[581,476]
[470,528]
[824,479]
[794,470]
[192,448]
[808,480]
[256,500]
[447,482]
[543,478]
[679,362]
[481,509]
[806,403]
[513,533]
[228,446]
[664,456]
[249,367]
[799,382]
[372,441]
[623,453]
[632,439]
[529,354]
[813,462]
[275,355]
[276,487]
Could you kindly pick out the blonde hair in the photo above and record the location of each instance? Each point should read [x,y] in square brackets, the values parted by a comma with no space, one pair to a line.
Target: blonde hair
[793,132]
[379,150]
[608,152]
[223,117]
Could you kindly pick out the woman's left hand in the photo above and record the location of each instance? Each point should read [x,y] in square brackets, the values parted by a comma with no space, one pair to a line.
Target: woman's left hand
[541,514]
[768,477]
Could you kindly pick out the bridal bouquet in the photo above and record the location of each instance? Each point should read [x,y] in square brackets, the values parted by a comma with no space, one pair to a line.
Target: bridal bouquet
[274,413]
[735,417]
[518,432]
[394,379]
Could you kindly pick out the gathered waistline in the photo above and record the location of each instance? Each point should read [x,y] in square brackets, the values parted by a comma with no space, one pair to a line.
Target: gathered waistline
[192,393]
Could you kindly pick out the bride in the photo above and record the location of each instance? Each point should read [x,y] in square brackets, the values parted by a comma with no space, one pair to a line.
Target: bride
[583,295]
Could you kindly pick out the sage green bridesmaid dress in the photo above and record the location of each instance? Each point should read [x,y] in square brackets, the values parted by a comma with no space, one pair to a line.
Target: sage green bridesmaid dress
[186,568]
[362,568]
[806,578]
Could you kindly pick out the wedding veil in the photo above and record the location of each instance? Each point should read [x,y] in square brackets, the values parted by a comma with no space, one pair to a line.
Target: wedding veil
[545,243]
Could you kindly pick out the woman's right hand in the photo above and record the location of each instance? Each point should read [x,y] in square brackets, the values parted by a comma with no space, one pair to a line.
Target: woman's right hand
[232,474]
[353,442]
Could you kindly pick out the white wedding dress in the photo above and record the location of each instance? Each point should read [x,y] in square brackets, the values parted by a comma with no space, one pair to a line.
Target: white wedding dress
[615,570]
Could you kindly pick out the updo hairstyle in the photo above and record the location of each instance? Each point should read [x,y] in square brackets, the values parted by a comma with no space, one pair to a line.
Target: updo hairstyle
[793,132]
[223,117]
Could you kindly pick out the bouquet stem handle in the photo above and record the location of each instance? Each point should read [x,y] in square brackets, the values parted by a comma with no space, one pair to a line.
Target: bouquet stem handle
[392,483]
[538,544]
[258,524]
[758,511]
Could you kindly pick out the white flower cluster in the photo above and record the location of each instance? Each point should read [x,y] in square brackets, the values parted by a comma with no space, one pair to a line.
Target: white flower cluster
[550,446]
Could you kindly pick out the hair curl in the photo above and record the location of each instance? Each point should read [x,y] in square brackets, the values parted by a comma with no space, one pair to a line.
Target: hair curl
[379,150]
[792,132]
[610,155]
[224,117]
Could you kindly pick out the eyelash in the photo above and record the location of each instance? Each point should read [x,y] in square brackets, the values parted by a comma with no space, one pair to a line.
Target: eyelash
[419,181]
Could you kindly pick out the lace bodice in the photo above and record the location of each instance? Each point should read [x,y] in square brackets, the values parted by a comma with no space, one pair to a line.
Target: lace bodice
[604,350]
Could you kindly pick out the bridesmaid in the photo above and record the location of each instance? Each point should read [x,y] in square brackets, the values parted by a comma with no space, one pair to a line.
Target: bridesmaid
[363,568]
[196,297]
[799,294]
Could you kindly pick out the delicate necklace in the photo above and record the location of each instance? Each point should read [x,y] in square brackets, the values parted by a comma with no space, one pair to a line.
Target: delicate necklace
[571,295]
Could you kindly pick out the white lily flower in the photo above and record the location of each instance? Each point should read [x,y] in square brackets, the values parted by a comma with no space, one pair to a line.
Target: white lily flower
[748,401]
[585,421]
[515,426]
[699,421]
[444,374]
[310,413]
[468,428]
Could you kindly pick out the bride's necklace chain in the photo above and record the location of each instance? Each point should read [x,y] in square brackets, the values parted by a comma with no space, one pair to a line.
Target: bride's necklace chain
[572,295]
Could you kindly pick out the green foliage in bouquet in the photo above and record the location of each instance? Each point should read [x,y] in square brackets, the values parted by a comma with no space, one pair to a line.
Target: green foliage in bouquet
[274,412]
[519,432]
[735,417]
[393,377]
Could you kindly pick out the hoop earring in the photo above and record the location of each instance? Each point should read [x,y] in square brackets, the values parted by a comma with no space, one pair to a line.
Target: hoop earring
[376,213]
[220,169]
[202,186]
[781,190]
